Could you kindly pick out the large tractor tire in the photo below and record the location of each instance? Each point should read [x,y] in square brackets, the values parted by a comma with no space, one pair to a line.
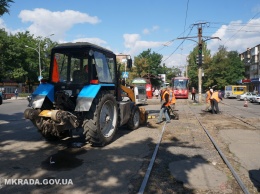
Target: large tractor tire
[101,121]
[134,120]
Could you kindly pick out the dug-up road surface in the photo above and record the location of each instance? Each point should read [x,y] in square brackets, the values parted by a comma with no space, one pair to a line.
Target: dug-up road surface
[186,161]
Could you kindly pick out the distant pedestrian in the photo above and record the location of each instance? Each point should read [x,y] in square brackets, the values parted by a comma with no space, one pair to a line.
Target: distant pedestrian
[193,93]
[215,99]
[156,93]
[16,93]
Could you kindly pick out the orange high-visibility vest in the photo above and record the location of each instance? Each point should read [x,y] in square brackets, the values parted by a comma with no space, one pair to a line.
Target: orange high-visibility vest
[208,96]
[171,101]
[165,92]
[215,96]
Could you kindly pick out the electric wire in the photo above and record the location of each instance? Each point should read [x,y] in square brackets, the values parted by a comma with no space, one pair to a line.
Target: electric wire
[241,28]
[177,47]
[185,21]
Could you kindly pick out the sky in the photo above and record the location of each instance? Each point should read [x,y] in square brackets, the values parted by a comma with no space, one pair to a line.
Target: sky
[167,27]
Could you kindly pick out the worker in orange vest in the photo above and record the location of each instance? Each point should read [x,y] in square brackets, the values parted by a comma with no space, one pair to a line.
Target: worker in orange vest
[165,102]
[208,104]
[172,99]
[215,99]
[171,106]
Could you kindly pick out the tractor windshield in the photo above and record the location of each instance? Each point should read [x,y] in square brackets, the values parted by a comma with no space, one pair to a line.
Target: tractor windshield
[80,67]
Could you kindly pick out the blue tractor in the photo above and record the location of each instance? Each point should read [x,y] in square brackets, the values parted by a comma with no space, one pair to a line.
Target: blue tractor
[83,91]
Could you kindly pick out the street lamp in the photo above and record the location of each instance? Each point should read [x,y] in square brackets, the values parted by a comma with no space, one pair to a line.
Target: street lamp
[38,50]
[39,53]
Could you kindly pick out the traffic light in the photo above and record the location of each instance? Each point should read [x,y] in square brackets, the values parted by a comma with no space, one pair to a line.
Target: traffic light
[199,59]
[200,48]
[129,63]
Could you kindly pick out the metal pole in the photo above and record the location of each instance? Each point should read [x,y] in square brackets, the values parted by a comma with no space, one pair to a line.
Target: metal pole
[200,64]
[125,71]
[40,69]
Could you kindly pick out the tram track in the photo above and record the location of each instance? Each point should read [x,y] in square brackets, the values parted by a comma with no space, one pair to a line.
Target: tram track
[191,124]
[221,153]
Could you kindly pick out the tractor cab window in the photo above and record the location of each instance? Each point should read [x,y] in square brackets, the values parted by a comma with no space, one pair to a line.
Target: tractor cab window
[70,67]
[104,67]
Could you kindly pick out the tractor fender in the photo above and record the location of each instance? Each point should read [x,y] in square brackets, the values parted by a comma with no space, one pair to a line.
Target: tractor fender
[87,94]
[42,91]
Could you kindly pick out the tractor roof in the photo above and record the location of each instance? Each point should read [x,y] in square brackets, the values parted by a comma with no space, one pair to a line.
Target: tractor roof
[81,45]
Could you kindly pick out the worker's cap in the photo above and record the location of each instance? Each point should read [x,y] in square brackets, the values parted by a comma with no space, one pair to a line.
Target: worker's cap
[211,90]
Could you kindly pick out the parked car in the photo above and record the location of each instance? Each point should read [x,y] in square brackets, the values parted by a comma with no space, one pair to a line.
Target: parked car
[256,99]
[246,96]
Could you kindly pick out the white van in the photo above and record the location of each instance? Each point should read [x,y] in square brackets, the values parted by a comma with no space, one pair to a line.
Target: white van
[140,94]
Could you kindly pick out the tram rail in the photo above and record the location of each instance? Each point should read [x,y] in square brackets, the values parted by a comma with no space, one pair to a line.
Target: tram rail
[186,115]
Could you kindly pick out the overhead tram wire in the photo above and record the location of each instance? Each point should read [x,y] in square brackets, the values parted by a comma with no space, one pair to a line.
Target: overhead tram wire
[186,14]
[170,41]
[236,24]
[177,47]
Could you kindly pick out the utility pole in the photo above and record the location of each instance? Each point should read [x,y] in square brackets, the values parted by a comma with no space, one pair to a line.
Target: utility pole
[200,62]
[200,56]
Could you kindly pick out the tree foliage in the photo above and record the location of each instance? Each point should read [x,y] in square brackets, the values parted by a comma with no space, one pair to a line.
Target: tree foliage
[20,63]
[148,64]
[224,68]
[4,6]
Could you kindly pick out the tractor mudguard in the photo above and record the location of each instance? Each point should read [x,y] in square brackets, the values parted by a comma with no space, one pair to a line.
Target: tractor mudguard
[42,91]
[87,94]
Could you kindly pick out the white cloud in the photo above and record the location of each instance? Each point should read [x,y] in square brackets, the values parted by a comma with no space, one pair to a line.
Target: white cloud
[45,22]
[148,31]
[237,36]
[3,26]
[97,41]
[134,43]
[2,23]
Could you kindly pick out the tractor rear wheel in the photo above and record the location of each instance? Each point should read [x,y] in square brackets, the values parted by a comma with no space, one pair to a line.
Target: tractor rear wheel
[101,121]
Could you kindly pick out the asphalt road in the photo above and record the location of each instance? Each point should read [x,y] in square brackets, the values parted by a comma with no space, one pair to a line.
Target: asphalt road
[62,167]
[24,154]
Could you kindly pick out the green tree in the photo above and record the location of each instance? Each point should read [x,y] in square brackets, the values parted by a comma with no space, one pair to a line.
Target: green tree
[20,63]
[148,64]
[4,6]
[226,68]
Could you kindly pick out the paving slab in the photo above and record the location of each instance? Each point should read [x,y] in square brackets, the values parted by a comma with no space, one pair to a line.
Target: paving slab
[198,173]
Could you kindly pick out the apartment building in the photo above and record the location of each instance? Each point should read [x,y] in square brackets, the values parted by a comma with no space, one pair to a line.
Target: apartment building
[252,68]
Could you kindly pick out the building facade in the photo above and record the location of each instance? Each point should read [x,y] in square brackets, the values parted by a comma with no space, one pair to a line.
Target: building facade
[250,59]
